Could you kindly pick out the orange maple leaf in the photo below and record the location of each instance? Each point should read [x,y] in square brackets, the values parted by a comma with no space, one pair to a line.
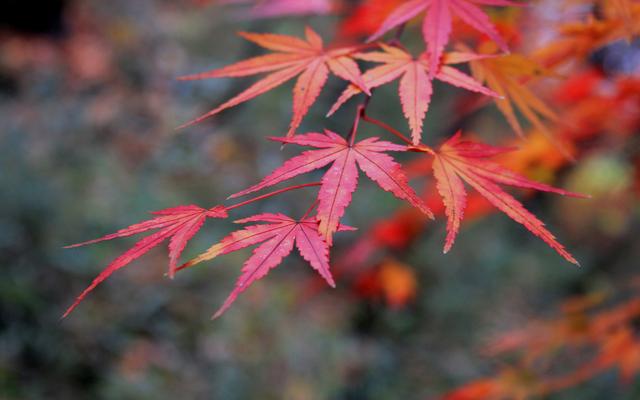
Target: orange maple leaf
[459,161]
[415,87]
[576,40]
[508,75]
[307,59]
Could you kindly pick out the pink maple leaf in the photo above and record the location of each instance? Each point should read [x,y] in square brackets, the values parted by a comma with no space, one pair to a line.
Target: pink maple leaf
[341,179]
[436,27]
[459,161]
[415,87]
[276,235]
[178,224]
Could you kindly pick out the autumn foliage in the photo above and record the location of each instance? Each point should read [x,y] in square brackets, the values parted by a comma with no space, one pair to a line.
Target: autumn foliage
[492,63]
[600,324]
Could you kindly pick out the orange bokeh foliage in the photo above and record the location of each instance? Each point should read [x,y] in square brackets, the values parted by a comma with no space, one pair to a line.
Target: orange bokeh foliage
[392,281]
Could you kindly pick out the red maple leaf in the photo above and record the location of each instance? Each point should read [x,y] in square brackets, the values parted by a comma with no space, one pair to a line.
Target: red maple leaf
[277,236]
[278,8]
[481,389]
[365,17]
[436,27]
[179,224]
[341,179]
[292,57]
[460,160]
[415,87]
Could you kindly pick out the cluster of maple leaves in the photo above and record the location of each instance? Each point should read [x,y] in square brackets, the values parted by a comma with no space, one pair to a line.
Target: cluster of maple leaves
[547,356]
[453,165]
[595,108]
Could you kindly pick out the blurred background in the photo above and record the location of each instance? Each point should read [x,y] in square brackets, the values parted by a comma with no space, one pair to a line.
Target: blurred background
[88,109]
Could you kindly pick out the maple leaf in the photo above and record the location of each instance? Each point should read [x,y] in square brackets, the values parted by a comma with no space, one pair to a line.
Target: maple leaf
[415,87]
[366,17]
[436,27]
[627,11]
[481,389]
[392,280]
[280,8]
[293,57]
[576,40]
[459,160]
[621,348]
[277,235]
[507,75]
[623,13]
[341,179]
[179,224]
[510,383]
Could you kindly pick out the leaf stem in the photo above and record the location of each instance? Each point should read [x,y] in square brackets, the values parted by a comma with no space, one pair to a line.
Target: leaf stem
[354,127]
[360,111]
[387,128]
[419,148]
[351,137]
[306,214]
[271,194]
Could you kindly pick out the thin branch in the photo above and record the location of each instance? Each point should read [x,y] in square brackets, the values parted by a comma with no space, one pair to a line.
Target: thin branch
[360,111]
[351,137]
[421,148]
[387,128]
[271,194]
[315,203]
